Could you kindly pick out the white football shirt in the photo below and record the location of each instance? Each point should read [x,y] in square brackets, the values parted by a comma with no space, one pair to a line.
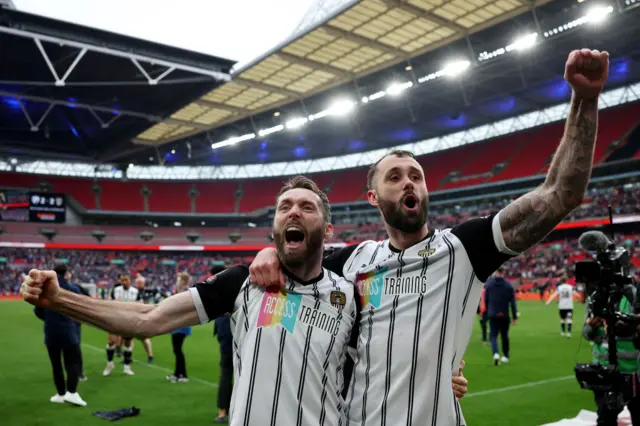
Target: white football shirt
[125,295]
[289,350]
[565,296]
[418,311]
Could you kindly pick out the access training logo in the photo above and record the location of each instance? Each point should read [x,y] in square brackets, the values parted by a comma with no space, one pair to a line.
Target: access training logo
[279,308]
[370,285]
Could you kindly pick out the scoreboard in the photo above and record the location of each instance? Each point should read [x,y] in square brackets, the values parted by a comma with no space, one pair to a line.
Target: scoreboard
[29,206]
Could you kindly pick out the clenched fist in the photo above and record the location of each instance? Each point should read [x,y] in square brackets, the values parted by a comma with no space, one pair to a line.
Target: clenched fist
[586,72]
[40,288]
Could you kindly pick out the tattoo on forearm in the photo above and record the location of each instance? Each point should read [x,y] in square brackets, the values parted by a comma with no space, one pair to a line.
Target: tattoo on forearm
[531,217]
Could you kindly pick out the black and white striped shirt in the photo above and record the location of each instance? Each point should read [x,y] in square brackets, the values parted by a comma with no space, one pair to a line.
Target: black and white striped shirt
[418,309]
[289,346]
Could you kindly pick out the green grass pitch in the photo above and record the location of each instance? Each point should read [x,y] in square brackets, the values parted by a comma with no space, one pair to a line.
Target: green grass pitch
[536,387]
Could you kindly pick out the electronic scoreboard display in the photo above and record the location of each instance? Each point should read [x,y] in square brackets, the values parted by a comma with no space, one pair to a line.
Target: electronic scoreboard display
[29,206]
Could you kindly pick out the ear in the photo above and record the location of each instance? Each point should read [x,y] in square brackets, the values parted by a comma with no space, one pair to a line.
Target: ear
[372,196]
[328,231]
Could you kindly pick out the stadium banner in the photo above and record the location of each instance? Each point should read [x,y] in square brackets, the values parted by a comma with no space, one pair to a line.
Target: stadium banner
[10,297]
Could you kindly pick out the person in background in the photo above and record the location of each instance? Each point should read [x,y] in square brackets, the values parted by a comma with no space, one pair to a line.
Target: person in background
[483,316]
[62,341]
[222,330]
[564,292]
[499,296]
[178,336]
[124,292]
[83,291]
[145,295]
[594,331]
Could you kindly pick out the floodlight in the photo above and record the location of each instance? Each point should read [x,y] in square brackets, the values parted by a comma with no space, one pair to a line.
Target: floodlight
[456,68]
[233,141]
[397,88]
[342,107]
[270,130]
[297,122]
[597,14]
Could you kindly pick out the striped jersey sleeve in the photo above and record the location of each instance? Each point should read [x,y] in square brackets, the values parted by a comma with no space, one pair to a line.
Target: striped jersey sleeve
[216,296]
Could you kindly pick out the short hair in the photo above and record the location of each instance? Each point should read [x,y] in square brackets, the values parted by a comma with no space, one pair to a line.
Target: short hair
[61,269]
[306,183]
[401,153]
[184,276]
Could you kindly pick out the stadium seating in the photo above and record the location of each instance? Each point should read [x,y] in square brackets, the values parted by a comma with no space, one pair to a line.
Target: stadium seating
[626,201]
[523,154]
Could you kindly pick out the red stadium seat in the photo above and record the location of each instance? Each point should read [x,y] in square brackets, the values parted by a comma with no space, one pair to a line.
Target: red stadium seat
[526,153]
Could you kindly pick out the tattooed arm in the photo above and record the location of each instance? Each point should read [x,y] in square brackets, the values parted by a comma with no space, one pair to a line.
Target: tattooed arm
[531,217]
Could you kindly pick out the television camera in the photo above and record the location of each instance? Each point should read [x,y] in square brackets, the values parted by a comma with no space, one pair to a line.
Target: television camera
[607,280]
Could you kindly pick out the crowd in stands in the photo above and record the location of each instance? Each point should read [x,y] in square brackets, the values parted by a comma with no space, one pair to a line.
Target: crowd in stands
[624,201]
[103,267]
[544,262]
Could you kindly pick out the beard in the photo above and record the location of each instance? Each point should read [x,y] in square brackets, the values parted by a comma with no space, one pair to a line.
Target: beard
[407,222]
[313,243]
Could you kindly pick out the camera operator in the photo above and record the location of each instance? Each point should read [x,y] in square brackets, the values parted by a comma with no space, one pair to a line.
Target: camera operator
[595,331]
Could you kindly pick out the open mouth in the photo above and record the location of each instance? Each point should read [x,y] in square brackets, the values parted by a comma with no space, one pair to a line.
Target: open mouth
[410,201]
[293,236]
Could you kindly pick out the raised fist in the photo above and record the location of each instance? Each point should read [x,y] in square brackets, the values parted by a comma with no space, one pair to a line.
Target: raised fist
[40,288]
[586,72]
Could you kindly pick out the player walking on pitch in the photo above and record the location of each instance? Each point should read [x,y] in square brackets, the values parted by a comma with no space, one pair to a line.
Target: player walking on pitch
[123,293]
[564,293]
[419,288]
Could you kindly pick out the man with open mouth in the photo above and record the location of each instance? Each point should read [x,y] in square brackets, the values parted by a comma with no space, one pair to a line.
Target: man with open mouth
[419,288]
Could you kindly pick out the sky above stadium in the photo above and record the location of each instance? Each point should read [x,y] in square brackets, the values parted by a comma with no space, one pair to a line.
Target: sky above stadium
[240,30]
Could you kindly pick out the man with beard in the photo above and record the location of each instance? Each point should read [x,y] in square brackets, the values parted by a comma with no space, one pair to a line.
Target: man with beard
[420,287]
[308,324]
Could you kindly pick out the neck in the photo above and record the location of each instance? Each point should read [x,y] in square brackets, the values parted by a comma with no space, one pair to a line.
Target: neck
[308,270]
[402,240]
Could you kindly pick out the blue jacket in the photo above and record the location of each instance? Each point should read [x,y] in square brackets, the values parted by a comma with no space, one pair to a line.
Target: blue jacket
[499,295]
[59,329]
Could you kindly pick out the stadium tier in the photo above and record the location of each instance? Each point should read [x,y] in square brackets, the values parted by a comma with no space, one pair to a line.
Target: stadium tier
[625,201]
[513,156]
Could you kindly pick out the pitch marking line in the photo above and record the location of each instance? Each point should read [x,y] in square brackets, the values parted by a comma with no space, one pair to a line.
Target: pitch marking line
[155,367]
[516,387]
[469,395]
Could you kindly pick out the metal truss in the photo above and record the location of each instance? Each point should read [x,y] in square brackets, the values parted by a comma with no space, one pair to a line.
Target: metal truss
[83,48]
[500,128]
[35,125]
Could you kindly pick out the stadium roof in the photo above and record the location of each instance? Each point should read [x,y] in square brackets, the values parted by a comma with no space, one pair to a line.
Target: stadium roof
[73,92]
[360,38]
[506,79]
[514,68]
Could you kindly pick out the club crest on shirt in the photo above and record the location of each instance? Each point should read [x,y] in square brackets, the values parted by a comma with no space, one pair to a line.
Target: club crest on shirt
[426,252]
[338,299]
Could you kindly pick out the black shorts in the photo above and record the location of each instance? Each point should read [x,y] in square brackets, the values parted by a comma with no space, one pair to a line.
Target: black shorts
[566,313]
